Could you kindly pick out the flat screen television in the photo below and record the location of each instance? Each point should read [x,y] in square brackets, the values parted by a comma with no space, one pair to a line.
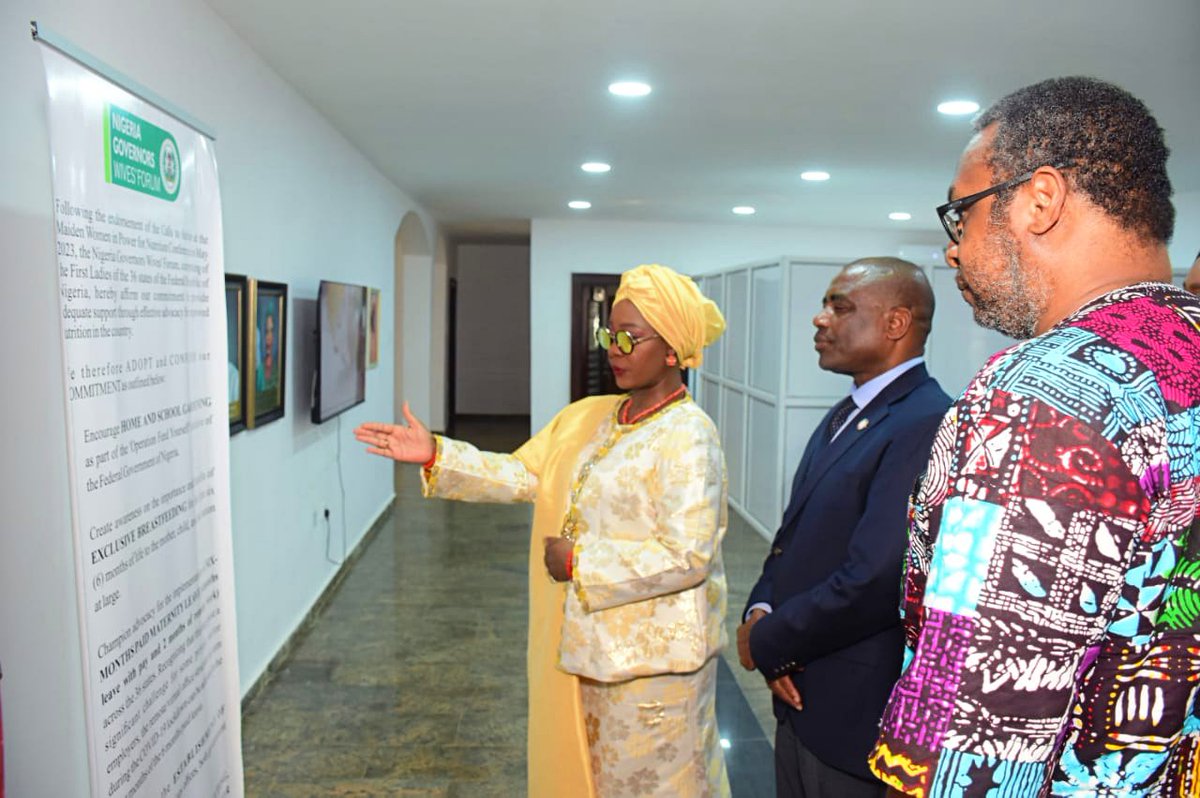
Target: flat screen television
[341,379]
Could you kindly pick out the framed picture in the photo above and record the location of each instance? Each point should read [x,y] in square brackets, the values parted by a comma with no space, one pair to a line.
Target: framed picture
[372,327]
[266,348]
[236,297]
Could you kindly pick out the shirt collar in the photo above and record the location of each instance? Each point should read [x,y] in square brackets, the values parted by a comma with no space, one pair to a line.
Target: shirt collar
[863,394]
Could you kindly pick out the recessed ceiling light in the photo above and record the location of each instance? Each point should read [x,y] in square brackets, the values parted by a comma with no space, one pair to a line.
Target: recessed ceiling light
[629,88]
[958,107]
[725,743]
[814,176]
[899,216]
[596,167]
[579,205]
[744,210]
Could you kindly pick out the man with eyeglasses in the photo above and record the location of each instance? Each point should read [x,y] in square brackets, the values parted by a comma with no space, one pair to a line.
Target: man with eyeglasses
[1052,585]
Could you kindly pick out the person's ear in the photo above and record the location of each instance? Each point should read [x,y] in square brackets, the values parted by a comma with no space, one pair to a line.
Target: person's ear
[899,321]
[1046,200]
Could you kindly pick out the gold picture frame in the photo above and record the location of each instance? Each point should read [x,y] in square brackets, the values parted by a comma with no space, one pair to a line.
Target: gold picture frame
[236,299]
[373,319]
[266,348]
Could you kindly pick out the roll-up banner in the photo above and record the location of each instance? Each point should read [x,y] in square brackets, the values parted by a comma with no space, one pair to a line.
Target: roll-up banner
[137,218]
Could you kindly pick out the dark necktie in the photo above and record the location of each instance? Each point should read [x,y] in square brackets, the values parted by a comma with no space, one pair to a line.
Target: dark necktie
[841,412]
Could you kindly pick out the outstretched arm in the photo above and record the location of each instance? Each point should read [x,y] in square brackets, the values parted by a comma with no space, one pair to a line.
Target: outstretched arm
[455,470]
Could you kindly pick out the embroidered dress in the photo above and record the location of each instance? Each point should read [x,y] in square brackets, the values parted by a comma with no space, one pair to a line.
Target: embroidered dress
[1052,588]
[656,735]
[646,505]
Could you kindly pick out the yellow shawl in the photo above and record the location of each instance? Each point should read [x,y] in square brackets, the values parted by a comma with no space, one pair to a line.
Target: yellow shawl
[559,764]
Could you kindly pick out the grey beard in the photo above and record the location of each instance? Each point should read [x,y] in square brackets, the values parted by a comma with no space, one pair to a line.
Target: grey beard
[1012,309]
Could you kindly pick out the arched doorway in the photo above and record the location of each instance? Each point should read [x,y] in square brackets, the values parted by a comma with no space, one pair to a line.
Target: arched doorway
[413,319]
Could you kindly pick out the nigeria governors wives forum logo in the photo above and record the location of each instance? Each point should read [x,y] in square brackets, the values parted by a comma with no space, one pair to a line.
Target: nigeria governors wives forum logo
[140,155]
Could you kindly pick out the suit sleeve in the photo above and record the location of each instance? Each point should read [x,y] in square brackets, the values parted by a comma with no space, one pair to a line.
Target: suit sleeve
[761,592]
[859,599]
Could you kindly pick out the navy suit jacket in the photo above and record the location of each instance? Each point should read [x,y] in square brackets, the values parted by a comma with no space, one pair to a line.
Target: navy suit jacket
[833,574]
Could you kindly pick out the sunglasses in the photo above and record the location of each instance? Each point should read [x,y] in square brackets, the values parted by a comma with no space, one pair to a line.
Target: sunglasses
[625,342]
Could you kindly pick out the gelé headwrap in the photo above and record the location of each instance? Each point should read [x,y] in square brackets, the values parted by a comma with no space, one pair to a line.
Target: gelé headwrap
[686,319]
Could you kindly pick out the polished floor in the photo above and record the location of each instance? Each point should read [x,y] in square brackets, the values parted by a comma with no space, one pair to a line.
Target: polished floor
[411,681]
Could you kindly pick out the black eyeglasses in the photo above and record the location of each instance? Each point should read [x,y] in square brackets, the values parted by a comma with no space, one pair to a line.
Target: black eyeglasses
[625,341]
[951,212]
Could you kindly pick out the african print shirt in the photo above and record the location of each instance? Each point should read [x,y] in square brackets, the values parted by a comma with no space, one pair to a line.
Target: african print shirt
[1052,587]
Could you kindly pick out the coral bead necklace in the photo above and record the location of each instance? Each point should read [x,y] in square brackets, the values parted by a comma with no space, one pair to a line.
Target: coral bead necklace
[668,399]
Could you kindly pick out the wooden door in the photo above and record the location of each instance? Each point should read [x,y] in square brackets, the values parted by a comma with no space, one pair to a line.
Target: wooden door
[591,302]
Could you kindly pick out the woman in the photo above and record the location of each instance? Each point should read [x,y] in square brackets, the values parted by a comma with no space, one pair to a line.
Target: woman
[629,511]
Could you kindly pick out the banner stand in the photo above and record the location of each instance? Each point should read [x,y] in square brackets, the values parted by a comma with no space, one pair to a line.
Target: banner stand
[140,268]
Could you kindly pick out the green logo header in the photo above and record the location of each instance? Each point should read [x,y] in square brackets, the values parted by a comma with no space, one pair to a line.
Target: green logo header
[139,155]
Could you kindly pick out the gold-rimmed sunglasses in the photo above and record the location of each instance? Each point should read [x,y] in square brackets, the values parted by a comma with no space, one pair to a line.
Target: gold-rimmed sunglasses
[624,340]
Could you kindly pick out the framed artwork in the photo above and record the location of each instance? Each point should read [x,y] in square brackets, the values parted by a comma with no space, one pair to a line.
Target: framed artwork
[266,348]
[236,297]
[372,327]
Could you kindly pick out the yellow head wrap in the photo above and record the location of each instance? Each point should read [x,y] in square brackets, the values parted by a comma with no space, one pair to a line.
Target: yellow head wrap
[686,319]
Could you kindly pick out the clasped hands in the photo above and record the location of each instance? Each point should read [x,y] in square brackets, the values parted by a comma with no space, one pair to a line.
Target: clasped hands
[782,688]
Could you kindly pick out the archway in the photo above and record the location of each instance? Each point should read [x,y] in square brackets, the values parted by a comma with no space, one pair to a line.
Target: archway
[412,317]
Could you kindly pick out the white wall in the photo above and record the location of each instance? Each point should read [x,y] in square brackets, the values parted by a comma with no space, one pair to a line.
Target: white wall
[493,324]
[1186,242]
[416,319]
[299,204]
[562,247]
[439,338]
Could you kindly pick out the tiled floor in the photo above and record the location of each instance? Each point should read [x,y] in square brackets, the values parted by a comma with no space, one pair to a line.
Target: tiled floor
[411,682]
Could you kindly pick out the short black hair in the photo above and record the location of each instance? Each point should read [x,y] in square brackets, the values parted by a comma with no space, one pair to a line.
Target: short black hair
[1109,136]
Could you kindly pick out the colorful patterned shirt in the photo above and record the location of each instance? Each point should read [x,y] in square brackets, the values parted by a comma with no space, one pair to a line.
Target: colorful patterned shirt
[1052,586]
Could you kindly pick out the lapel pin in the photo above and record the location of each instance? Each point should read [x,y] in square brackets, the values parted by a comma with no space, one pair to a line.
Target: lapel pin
[862,424]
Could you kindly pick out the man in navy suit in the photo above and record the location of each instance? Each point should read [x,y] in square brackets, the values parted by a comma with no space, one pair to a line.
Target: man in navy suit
[823,622]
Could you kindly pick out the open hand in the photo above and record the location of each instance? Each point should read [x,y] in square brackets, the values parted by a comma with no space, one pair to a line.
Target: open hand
[411,443]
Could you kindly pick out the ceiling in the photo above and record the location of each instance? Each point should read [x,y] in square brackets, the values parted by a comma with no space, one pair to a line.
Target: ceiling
[483,111]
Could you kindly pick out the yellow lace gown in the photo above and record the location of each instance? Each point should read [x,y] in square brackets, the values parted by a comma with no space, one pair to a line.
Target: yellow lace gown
[649,591]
